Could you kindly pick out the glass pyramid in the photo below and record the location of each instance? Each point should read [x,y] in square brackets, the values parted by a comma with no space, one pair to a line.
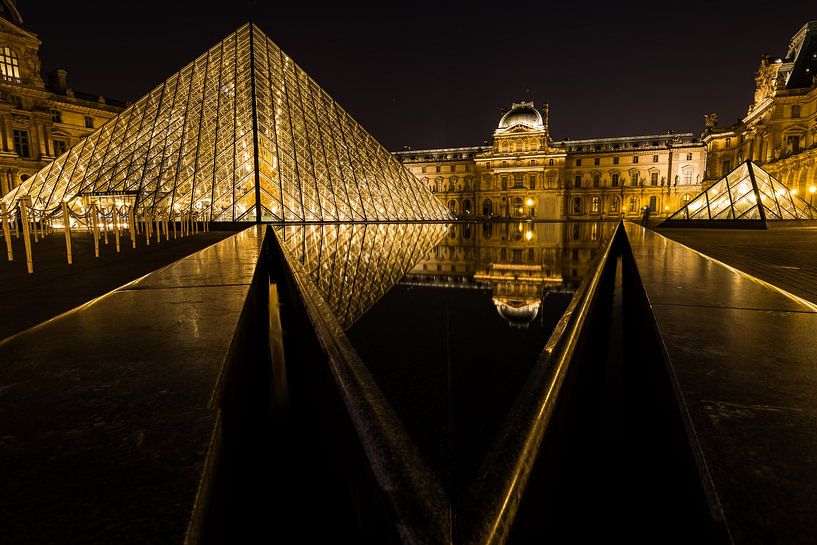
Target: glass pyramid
[354,265]
[746,193]
[240,134]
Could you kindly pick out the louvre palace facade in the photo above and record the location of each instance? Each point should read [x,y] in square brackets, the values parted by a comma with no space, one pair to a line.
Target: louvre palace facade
[527,174]
[39,119]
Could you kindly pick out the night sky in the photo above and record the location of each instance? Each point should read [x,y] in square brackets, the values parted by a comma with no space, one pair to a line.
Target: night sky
[428,74]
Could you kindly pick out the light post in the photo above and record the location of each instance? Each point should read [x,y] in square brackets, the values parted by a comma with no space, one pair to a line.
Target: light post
[529,202]
[811,190]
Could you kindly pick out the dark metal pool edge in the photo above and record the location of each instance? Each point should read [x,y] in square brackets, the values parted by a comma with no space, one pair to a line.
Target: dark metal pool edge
[421,510]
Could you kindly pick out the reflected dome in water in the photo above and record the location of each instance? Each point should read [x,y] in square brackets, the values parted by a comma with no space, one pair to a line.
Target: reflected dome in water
[517,313]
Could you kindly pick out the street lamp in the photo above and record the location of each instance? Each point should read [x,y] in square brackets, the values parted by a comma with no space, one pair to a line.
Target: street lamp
[811,190]
[529,202]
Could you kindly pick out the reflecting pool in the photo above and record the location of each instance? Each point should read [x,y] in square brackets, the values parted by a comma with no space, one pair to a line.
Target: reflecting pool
[449,320]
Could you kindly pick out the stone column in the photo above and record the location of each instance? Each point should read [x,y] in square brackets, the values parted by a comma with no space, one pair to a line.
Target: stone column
[4,123]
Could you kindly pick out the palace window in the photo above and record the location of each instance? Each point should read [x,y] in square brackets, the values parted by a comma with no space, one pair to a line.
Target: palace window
[634,178]
[726,166]
[518,181]
[653,178]
[728,142]
[59,147]
[577,205]
[550,162]
[614,204]
[596,180]
[596,161]
[653,204]
[688,177]
[487,207]
[466,207]
[89,122]
[793,144]
[9,65]
[577,181]
[453,168]
[578,162]
[614,179]
[595,205]
[633,204]
[504,180]
[532,181]
[437,168]
[654,158]
[452,206]
[488,165]
[551,180]
[685,199]
[18,101]
[56,116]
[689,157]
[615,160]
[635,159]
[532,162]
[795,111]
[21,142]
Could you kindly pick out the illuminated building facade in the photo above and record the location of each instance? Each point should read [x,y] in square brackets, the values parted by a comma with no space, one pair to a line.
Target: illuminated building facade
[39,120]
[525,174]
[779,131]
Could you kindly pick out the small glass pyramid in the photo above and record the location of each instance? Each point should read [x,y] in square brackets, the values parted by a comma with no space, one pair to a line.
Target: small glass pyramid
[746,193]
[240,134]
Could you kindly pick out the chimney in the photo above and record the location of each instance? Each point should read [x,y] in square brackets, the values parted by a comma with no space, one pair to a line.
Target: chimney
[58,79]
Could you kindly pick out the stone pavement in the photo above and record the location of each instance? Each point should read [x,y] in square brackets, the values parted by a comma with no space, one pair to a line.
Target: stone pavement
[55,287]
[785,257]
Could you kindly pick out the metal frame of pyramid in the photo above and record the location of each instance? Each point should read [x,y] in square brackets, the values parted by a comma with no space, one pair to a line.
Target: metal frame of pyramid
[239,134]
[746,196]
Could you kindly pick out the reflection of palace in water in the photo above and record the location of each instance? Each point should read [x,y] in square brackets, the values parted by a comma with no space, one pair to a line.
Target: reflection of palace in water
[520,263]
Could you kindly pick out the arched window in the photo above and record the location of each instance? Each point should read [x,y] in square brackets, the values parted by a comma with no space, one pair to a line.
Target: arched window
[466,231]
[452,205]
[487,207]
[685,199]
[518,211]
[595,205]
[550,162]
[9,65]
[653,204]
[577,205]
[487,230]
[614,205]
[466,207]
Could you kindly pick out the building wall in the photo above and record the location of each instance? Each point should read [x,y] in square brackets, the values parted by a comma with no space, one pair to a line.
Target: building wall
[779,131]
[38,120]
[523,174]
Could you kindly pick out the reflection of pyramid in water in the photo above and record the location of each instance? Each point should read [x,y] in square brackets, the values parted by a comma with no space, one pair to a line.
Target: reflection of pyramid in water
[239,134]
[746,193]
[354,265]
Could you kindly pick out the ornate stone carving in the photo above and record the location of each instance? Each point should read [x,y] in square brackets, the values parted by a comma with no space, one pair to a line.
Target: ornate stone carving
[765,80]
[711,120]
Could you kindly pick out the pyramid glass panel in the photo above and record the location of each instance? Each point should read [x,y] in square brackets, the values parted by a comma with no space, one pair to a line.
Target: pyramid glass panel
[239,134]
[746,193]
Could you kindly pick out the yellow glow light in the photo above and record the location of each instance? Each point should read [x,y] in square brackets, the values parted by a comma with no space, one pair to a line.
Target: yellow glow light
[529,202]
[793,191]
[529,235]
[812,189]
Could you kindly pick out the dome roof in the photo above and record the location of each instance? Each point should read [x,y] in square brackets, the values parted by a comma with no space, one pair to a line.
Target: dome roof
[522,113]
